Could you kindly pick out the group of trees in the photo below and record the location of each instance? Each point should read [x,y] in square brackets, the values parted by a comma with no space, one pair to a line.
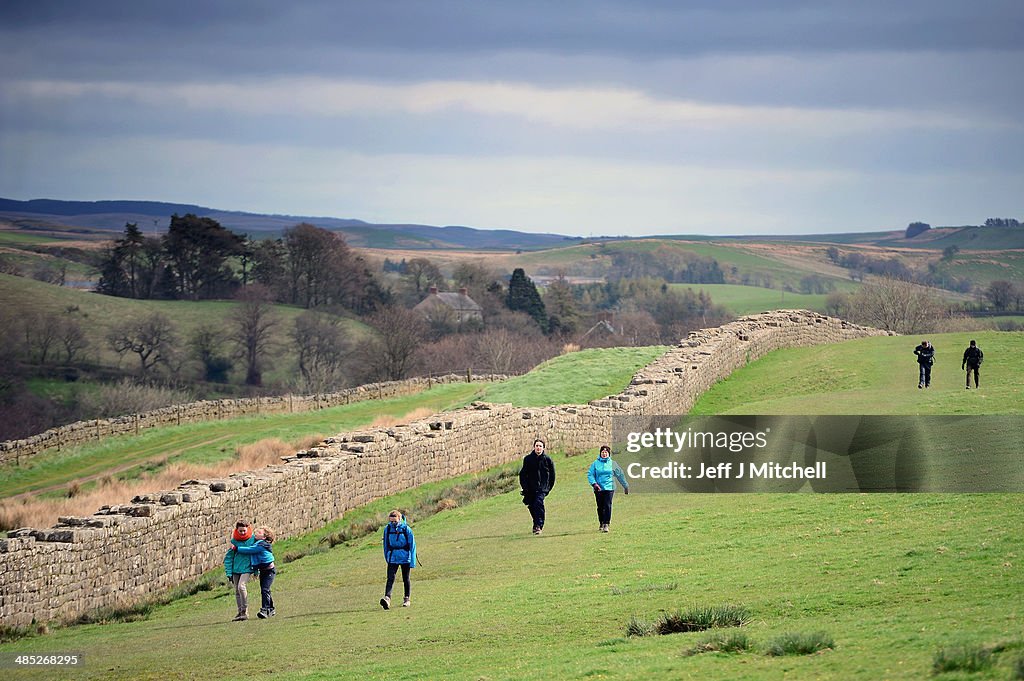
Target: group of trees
[198,259]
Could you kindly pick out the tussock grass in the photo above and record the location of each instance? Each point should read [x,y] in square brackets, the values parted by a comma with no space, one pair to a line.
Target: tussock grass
[799,643]
[638,627]
[700,618]
[734,642]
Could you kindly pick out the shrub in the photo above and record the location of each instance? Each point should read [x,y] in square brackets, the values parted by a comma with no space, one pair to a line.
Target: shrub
[796,643]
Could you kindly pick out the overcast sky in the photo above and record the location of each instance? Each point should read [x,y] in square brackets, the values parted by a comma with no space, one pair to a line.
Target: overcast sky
[599,117]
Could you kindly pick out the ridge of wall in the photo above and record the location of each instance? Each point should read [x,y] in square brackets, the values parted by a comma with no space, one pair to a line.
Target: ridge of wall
[120,554]
[212,410]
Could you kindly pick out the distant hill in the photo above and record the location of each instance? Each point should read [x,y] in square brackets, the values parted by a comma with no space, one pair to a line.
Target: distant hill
[85,218]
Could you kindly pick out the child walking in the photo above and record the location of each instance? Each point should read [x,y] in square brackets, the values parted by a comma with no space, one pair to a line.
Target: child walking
[262,559]
[399,552]
[238,568]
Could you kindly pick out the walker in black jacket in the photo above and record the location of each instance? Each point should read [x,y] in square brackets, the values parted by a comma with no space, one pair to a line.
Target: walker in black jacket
[925,358]
[537,478]
[973,357]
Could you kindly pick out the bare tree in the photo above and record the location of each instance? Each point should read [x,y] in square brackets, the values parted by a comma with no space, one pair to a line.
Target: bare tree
[253,322]
[423,274]
[897,305]
[1002,294]
[390,354]
[151,338]
[207,345]
[72,338]
[41,331]
[322,350]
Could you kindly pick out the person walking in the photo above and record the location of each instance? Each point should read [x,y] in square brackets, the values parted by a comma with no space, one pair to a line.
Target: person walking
[925,359]
[262,558]
[537,478]
[399,552]
[601,475]
[973,357]
[238,568]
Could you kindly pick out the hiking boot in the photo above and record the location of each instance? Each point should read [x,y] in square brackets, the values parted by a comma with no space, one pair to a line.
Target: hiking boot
[240,617]
[920,386]
[605,528]
[538,530]
[262,614]
[386,602]
[271,612]
[968,387]
[406,603]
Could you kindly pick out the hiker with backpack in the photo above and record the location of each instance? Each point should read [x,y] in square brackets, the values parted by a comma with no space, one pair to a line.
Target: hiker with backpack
[925,359]
[399,552]
[973,356]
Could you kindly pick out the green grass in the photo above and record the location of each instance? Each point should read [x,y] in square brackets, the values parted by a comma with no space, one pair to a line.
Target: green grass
[743,300]
[23,238]
[575,378]
[892,578]
[874,376]
[207,443]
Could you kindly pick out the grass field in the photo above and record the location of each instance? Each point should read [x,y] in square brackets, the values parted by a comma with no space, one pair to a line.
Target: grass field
[742,300]
[891,579]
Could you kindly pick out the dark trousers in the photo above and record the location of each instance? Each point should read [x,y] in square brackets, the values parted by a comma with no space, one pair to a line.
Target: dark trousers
[604,505]
[974,368]
[392,571]
[926,374]
[536,507]
[267,575]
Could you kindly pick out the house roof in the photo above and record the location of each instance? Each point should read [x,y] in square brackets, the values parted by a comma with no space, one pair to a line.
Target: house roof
[456,301]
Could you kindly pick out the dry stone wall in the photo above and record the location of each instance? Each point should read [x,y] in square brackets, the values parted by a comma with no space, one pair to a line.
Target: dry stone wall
[121,553]
[213,410]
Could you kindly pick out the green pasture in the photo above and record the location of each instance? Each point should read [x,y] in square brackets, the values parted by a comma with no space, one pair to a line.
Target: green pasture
[891,579]
[575,378]
[875,376]
[24,238]
[743,300]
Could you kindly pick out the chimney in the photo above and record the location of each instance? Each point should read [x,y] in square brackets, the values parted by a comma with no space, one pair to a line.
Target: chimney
[433,290]
[463,291]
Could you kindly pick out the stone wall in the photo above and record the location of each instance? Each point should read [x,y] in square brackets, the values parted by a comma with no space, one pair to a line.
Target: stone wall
[121,553]
[212,410]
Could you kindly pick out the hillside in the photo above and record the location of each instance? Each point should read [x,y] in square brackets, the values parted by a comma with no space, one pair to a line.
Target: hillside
[98,313]
[878,574]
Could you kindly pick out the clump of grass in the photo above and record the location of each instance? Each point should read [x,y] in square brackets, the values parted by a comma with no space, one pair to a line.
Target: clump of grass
[966,658]
[640,588]
[700,618]
[1018,669]
[13,633]
[800,643]
[735,642]
[638,627]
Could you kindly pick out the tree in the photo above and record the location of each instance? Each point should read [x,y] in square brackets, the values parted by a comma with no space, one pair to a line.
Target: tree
[423,274]
[1002,294]
[42,331]
[207,343]
[390,354]
[560,303]
[915,228]
[198,250]
[949,252]
[72,338]
[522,296]
[151,338]
[897,305]
[322,350]
[252,323]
